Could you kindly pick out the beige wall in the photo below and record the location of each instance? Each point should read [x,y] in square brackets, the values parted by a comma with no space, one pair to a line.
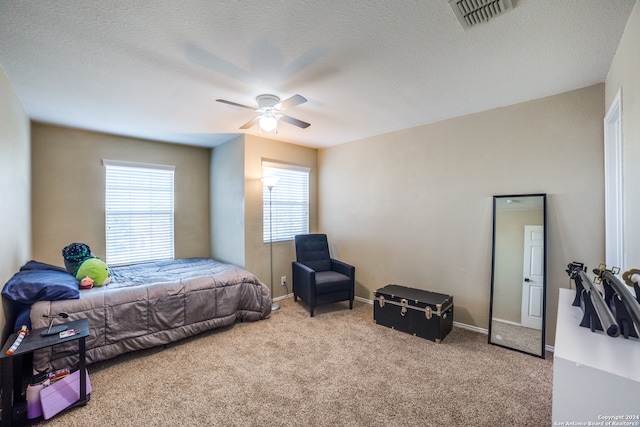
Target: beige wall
[68,189]
[624,75]
[15,186]
[227,202]
[237,222]
[414,207]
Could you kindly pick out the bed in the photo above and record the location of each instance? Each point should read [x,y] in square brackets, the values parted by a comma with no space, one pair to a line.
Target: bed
[147,305]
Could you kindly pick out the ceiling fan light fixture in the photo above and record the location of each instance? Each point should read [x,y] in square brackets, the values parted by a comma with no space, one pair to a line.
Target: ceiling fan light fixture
[269,111]
[268,123]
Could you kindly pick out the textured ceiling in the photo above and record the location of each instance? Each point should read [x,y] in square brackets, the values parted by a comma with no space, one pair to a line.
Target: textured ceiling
[154,69]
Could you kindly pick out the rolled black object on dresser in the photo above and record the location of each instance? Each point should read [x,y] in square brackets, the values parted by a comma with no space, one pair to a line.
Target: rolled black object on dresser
[594,302]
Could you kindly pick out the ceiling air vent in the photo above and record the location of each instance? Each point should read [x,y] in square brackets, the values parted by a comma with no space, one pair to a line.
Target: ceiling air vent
[473,12]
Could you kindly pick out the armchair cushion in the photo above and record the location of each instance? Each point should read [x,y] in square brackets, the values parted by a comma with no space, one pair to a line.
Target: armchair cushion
[331,281]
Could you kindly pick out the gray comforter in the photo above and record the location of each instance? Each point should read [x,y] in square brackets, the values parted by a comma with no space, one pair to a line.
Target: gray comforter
[151,304]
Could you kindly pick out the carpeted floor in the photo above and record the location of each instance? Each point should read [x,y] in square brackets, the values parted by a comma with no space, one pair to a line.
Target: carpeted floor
[336,369]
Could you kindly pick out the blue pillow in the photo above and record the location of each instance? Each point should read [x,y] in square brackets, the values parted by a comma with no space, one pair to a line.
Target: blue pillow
[37,265]
[29,286]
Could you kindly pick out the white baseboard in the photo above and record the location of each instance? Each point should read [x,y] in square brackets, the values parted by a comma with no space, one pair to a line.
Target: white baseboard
[471,328]
[282,297]
[368,301]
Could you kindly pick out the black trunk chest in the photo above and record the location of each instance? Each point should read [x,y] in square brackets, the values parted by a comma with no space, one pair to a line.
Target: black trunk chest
[414,311]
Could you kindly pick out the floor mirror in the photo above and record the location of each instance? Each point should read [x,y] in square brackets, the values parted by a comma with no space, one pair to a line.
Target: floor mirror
[518,273]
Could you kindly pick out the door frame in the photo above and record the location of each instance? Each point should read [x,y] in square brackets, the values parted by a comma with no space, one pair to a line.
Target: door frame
[613,185]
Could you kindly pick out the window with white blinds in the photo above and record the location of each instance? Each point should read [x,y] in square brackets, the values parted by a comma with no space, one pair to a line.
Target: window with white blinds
[138,212]
[288,213]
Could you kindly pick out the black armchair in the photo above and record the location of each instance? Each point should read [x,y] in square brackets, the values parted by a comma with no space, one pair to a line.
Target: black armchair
[317,278]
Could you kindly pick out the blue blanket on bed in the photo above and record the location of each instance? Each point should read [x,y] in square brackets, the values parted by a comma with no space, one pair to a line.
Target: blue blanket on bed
[37,281]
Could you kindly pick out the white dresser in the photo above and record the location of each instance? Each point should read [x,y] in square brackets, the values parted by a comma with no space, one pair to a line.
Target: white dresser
[595,376]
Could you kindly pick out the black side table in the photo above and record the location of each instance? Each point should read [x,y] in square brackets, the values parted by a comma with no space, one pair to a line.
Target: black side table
[12,390]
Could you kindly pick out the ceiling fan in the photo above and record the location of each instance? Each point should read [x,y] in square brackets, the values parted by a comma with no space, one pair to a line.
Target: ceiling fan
[271,110]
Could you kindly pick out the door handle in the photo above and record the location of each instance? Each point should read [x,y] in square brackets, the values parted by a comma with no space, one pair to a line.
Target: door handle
[526,279]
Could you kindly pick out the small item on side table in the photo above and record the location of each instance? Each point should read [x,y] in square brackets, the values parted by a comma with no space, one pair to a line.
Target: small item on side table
[23,333]
[57,329]
[69,333]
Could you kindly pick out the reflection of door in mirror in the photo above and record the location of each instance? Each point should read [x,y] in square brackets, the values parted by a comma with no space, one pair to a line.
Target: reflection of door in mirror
[518,273]
[532,266]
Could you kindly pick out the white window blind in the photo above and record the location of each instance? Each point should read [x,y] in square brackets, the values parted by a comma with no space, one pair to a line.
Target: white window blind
[138,212]
[289,202]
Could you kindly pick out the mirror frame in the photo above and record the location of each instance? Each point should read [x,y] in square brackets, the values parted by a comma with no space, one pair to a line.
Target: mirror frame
[544,282]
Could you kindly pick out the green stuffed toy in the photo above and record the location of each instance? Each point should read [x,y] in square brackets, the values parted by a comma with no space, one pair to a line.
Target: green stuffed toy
[93,272]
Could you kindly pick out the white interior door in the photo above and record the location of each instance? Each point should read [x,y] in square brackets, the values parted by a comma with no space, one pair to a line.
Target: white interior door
[533,277]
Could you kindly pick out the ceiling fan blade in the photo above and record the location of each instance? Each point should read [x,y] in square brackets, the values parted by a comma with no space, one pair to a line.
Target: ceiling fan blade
[250,123]
[235,104]
[291,102]
[293,121]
